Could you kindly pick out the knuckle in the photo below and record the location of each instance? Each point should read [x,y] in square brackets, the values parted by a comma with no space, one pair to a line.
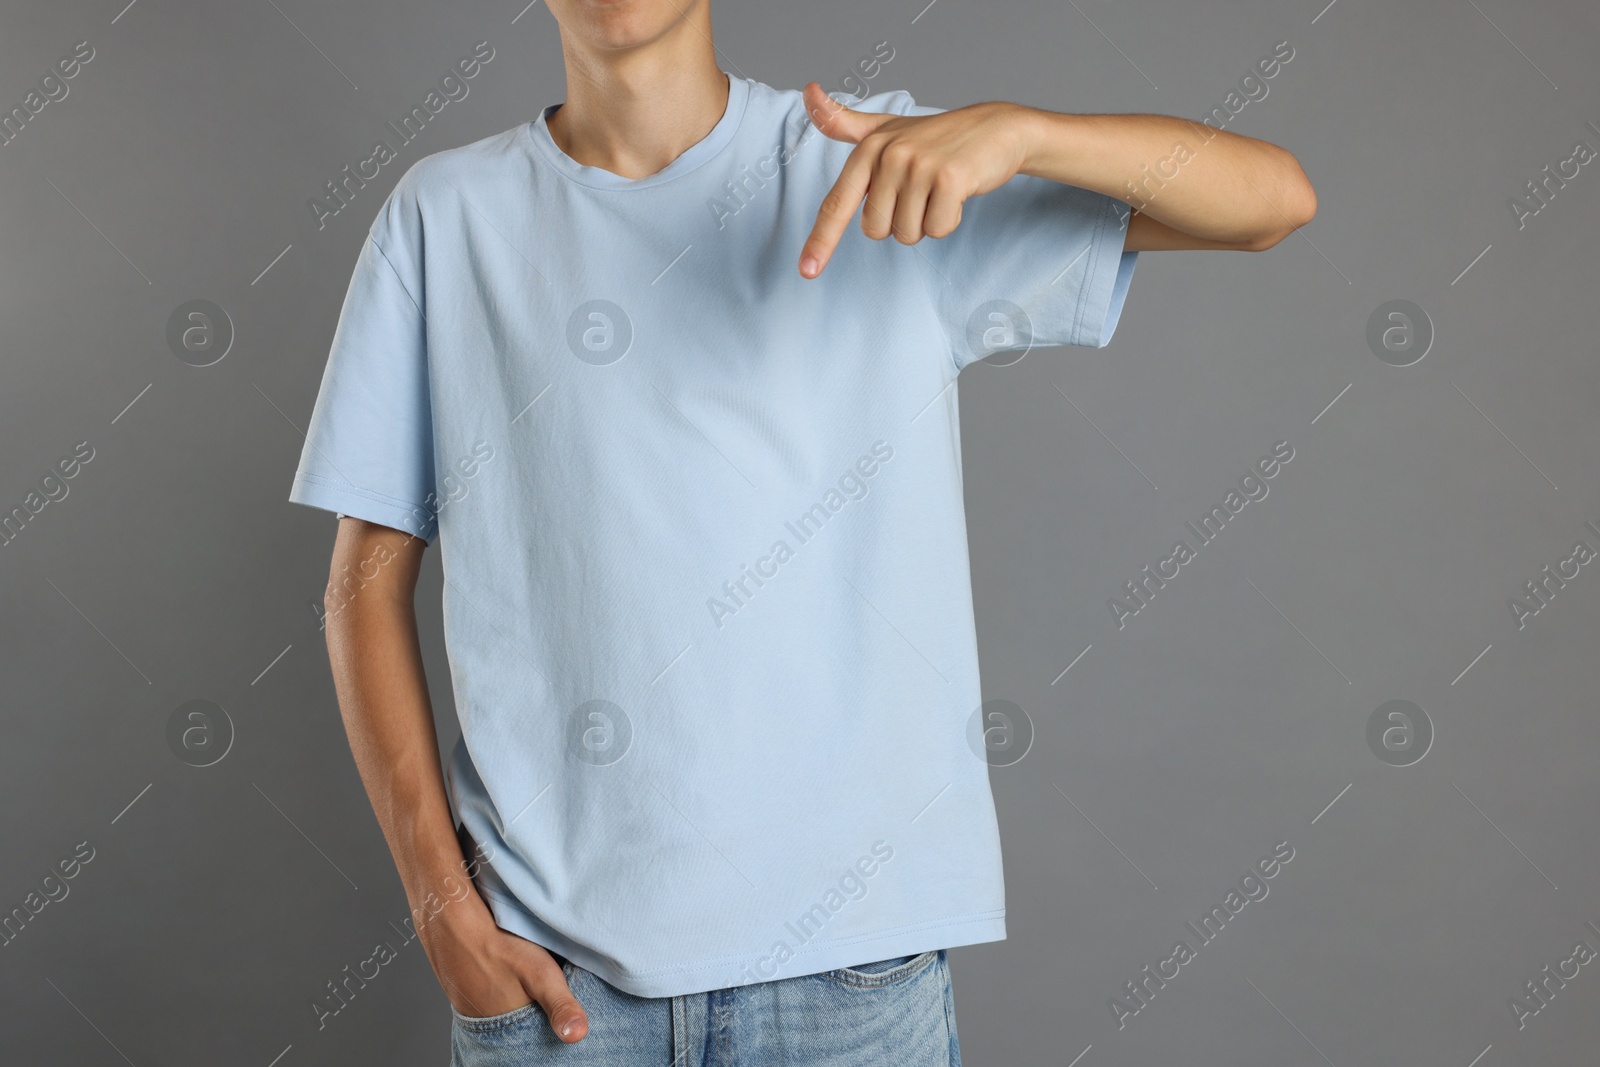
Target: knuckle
[899,153]
[558,1004]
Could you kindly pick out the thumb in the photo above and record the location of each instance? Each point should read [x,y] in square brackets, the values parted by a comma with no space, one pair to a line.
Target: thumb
[835,120]
[547,985]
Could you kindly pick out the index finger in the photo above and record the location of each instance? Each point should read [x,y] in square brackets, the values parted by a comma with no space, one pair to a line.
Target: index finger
[838,208]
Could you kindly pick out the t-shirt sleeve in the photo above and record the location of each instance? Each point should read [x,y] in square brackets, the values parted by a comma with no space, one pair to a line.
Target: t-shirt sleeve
[369,449]
[1034,263]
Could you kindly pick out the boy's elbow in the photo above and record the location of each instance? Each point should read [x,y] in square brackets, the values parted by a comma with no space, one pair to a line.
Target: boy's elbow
[1298,207]
[1304,201]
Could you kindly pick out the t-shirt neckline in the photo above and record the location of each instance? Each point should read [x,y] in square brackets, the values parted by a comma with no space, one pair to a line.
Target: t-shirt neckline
[538,134]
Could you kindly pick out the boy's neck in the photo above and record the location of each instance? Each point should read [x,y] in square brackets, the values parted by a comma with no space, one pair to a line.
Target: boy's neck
[634,111]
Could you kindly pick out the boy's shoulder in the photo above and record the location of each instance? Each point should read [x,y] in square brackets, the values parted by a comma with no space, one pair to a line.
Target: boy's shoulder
[447,176]
[451,169]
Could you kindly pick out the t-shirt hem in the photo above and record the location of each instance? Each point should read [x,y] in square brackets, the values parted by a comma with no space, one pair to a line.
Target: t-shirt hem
[731,971]
[341,498]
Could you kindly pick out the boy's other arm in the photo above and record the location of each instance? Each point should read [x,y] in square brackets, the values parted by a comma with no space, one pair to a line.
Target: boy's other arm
[383,698]
[1192,185]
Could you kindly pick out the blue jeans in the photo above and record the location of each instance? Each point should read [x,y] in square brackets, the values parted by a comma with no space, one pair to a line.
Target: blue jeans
[898,1011]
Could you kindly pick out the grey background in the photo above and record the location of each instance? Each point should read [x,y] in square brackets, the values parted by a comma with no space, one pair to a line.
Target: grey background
[1227,716]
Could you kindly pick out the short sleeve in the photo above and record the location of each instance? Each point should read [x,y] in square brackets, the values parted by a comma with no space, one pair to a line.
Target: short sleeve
[369,449]
[1034,263]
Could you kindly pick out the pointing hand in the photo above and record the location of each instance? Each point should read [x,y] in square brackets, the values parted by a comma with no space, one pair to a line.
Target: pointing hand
[912,172]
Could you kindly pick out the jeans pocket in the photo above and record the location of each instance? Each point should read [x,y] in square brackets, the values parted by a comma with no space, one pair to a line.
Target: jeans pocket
[883,972]
[485,1024]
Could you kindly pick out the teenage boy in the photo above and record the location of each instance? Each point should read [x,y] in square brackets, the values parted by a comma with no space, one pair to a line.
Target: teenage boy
[689,444]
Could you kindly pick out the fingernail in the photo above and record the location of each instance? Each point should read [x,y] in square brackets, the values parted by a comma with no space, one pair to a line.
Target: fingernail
[566,1028]
[808,266]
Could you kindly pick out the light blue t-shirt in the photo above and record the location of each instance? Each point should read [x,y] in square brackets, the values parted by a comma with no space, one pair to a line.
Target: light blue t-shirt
[707,601]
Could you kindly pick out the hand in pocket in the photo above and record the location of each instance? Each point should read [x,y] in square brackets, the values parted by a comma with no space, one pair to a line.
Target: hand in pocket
[486,971]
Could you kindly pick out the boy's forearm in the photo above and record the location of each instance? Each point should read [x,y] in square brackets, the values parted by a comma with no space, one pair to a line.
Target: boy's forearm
[1204,181]
[383,699]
